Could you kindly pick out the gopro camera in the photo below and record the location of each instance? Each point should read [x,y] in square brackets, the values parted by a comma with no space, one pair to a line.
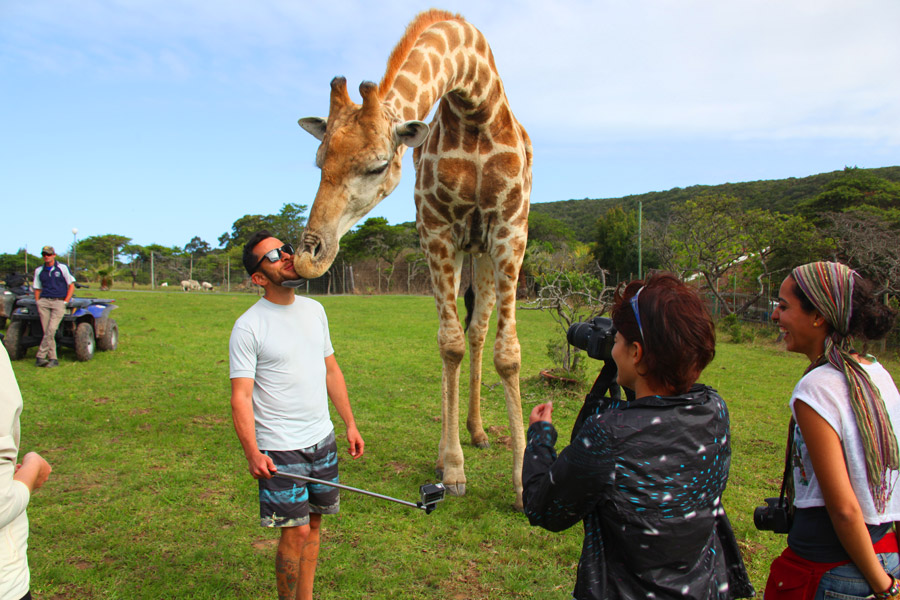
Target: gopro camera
[429,495]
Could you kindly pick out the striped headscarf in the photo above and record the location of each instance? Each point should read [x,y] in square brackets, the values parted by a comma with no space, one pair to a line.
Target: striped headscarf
[829,286]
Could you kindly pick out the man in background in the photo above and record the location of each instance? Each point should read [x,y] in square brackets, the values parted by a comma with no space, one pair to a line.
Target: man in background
[53,288]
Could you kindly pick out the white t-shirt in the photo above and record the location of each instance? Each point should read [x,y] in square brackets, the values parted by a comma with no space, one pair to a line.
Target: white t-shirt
[826,391]
[283,349]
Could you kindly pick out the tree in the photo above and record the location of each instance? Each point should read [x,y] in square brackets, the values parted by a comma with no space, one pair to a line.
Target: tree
[101,249]
[615,245]
[287,226]
[544,228]
[775,243]
[197,247]
[855,187]
[377,239]
[870,243]
[16,263]
[415,264]
[573,290]
[709,238]
[137,255]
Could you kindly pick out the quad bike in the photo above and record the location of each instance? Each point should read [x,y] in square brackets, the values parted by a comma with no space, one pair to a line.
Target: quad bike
[86,327]
[14,288]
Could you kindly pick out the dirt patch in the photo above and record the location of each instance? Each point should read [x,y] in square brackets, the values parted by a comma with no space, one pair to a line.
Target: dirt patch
[499,436]
[208,421]
[80,563]
[102,400]
[398,467]
[466,585]
[264,544]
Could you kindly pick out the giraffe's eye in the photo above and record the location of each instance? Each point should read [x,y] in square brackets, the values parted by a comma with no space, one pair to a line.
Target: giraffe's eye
[378,168]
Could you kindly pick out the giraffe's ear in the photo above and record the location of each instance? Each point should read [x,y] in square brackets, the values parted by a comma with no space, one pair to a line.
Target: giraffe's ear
[315,126]
[411,133]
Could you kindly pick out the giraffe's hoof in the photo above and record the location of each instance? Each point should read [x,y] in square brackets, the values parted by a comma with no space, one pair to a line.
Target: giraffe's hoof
[456,489]
[484,444]
[439,473]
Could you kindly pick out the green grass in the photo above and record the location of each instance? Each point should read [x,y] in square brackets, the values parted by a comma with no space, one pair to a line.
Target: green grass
[150,495]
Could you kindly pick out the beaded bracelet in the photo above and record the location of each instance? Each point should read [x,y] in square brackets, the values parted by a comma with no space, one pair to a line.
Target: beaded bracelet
[891,592]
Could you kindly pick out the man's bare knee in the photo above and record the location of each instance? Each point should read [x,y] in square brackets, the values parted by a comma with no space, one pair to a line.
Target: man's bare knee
[292,539]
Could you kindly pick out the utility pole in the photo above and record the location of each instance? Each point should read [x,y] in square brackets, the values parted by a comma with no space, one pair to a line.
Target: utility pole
[640,238]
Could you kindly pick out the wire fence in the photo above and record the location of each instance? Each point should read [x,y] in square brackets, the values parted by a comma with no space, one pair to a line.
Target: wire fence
[407,275]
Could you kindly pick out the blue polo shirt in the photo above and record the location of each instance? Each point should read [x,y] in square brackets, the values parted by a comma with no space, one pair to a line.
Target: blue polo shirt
[53,281]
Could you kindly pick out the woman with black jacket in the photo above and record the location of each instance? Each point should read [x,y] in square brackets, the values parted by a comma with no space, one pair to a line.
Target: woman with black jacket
[645,475]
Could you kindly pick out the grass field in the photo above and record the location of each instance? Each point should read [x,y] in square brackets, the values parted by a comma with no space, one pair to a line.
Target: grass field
[150,495]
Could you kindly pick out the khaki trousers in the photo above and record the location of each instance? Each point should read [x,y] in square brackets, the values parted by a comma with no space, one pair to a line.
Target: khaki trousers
[51,311]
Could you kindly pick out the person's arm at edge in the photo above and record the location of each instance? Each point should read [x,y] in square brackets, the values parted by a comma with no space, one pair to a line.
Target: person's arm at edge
[828,462]
[70,291]
[259,464]
[337,391]
[33,471]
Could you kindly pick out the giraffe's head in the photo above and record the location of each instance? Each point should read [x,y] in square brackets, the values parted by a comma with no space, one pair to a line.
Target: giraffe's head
[360,156]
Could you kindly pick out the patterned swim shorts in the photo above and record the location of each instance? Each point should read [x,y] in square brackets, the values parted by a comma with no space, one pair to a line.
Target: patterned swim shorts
[287,502]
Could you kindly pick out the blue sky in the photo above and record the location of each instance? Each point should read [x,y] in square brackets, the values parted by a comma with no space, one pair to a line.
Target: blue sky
[162,121]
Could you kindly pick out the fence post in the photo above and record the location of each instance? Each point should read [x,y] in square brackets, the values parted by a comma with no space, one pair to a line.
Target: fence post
[152,273]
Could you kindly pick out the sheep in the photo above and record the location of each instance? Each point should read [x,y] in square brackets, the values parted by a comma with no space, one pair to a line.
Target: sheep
[190,284]
[164,284]
[207,285]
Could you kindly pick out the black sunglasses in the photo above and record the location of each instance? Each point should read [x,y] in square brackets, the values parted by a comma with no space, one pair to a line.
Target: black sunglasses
[274,255]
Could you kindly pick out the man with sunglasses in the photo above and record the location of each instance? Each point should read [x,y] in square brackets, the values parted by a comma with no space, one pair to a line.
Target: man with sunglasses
[53,288]
[283,371]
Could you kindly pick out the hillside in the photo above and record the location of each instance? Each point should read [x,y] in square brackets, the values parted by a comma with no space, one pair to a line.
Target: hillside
[780,195]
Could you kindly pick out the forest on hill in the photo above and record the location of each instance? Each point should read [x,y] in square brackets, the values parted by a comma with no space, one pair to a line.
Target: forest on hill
[776,195]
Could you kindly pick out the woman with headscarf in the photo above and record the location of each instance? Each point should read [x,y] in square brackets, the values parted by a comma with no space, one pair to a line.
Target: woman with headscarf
[844,450]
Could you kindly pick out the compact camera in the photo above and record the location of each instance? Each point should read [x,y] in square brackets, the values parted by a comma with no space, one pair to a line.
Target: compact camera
[775,516]
[595,337]
[429,495]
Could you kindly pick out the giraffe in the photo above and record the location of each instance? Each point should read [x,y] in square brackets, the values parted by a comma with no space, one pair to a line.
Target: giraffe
[472,189]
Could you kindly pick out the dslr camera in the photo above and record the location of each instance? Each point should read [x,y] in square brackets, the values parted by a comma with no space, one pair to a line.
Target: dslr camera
[596,337]
[775,516]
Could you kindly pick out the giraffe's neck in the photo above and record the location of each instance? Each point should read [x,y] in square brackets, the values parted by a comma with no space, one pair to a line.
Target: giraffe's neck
[449,59]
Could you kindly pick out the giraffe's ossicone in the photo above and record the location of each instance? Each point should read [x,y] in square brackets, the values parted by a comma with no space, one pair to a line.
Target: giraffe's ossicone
[473,182]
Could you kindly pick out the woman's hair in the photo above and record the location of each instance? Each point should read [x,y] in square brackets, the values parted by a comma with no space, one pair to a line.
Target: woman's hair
[678,339]
[870,319]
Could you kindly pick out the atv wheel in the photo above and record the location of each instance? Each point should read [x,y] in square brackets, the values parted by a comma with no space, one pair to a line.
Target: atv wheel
[84,342]
[13,340]
[110,338]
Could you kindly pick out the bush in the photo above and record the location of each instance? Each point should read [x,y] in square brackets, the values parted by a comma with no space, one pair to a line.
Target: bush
[738,332]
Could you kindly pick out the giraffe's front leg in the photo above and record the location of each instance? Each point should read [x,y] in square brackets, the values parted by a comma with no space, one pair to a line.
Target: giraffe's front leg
[450,456]
[483,286]
[508,362]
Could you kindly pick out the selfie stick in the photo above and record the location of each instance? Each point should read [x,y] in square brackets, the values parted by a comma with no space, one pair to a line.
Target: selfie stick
[431,493]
